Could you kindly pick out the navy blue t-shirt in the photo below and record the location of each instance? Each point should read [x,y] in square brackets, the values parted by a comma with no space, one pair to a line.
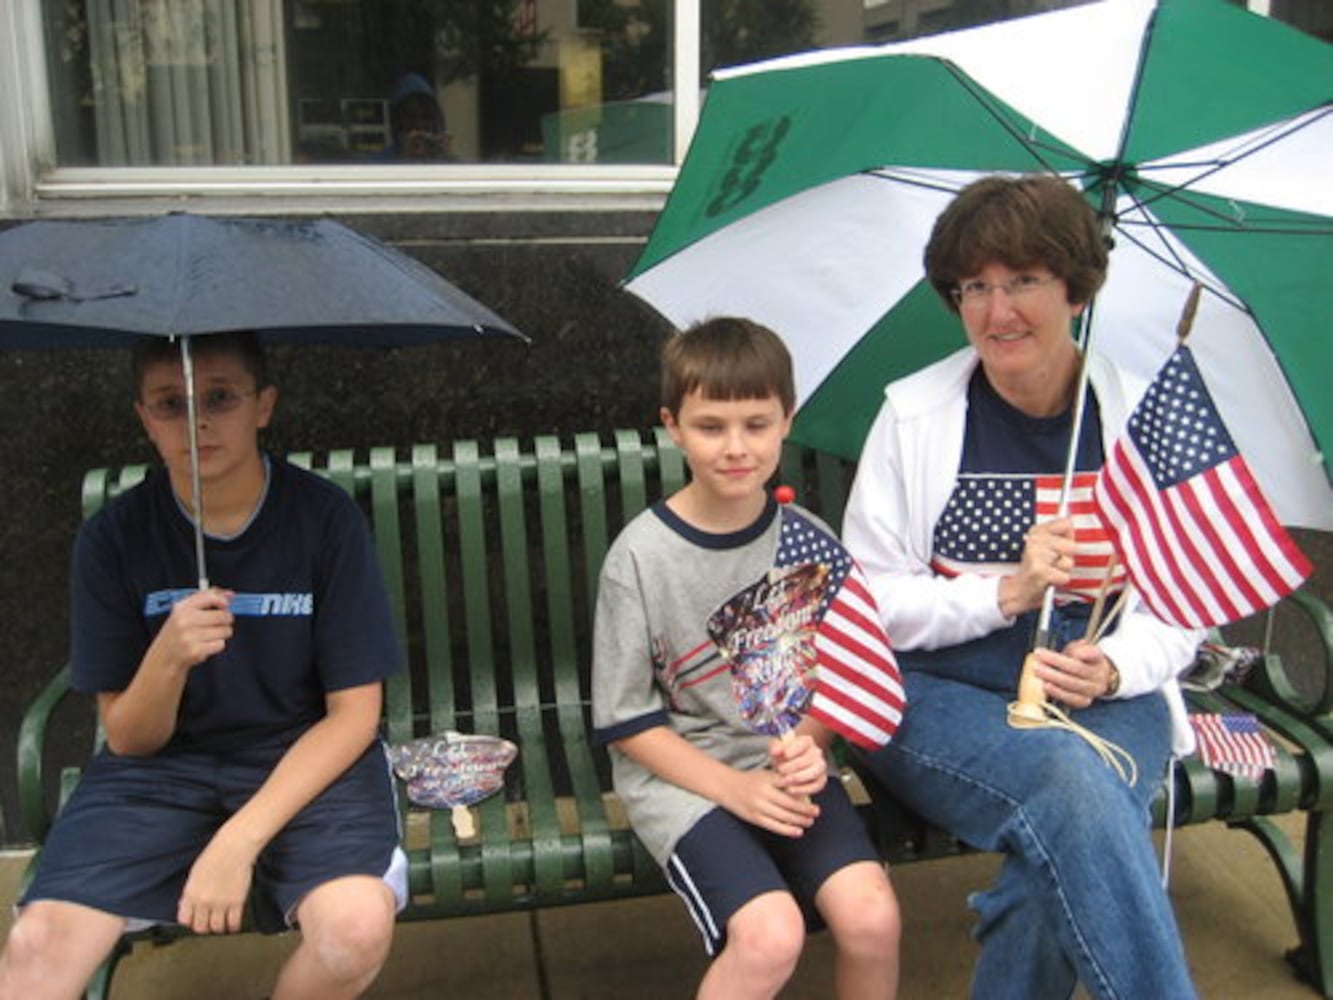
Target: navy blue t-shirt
[311,612]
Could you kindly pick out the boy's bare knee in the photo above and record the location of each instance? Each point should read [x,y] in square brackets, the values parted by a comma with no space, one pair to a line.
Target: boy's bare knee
[768,933]
[27,942]
[876,929]
[351,940]
[354,947]
[52,948]
[861,910]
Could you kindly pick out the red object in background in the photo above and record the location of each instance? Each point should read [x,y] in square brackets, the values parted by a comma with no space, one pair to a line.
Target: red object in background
[784,494]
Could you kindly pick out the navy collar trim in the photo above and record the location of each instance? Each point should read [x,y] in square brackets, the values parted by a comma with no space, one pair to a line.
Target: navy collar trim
[714,540]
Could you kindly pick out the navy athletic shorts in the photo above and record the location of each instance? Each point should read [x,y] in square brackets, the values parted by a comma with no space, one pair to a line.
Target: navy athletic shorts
[125,841]
[723,862]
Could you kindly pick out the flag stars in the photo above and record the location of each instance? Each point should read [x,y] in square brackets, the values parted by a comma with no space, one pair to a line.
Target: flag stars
[1177,428]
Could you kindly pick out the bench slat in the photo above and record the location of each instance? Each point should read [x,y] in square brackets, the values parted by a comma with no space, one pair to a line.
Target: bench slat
[594,828]
[389,546]
[535,756]
[433,579]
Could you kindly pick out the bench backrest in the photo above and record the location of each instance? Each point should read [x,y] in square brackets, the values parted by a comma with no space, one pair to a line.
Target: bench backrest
[491,557]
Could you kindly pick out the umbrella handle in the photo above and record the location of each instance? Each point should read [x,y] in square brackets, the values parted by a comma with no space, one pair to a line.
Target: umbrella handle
[196,494]
[1029,710]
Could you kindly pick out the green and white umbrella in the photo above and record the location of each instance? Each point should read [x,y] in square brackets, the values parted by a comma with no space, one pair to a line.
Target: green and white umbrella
[1201,132]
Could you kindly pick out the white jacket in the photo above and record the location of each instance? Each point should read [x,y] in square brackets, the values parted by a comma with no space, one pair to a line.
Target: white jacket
[908,470]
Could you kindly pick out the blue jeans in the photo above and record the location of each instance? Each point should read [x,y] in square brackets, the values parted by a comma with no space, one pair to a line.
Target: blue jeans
[1079,896]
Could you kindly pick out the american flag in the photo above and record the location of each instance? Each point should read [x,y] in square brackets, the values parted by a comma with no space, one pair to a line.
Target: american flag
[1190,522]
[858,691]
[981,529]
[1233,744]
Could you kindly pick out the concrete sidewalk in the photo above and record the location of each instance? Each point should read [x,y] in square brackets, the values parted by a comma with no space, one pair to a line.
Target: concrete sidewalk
[1227,894]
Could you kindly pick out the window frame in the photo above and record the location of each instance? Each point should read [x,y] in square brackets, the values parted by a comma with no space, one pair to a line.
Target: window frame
[31,180]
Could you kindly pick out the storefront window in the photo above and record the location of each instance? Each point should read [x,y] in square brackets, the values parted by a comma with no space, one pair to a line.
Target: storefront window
[236,83]
[151,83]
[261,82]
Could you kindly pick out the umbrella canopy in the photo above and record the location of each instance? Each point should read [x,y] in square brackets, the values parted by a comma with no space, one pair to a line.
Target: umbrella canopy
[97,283]
[1203,135]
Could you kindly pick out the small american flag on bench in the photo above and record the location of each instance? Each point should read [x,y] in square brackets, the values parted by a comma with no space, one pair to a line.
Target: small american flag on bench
[1233,744]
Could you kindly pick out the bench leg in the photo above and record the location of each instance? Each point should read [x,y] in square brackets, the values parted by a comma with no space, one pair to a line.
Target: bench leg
[1306,880]
[99,986]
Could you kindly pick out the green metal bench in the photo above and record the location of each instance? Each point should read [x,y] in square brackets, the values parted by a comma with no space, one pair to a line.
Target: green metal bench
[491,558]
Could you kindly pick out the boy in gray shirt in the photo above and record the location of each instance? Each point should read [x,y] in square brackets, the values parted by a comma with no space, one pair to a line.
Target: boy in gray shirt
[751,833]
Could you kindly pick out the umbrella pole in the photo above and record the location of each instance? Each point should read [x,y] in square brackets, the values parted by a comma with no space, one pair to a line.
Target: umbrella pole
[1031,708]
[1043,636]
[1106,217]
[196,496]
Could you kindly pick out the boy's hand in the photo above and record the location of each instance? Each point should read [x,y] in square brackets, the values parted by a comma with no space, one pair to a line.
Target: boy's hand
[800,764]
[759,798]
[213,900]
[197,627]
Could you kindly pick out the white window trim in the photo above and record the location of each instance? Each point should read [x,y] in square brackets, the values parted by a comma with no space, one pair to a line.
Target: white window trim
[31,183]
[27,142]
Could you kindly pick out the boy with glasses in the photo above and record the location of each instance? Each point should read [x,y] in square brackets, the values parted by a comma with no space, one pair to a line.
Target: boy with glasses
[241,720]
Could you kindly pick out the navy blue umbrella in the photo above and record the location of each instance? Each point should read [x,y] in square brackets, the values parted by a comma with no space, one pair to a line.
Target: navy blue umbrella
[104,282]
[84,283]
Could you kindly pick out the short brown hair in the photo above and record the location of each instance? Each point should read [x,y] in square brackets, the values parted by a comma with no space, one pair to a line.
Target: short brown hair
[1020,222]
[241,344]
[727,357]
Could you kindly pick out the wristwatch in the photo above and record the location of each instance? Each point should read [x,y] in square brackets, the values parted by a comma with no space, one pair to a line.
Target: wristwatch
[1112,682]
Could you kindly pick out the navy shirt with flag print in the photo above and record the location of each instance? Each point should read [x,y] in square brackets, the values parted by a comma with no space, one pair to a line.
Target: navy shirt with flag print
[1009,478]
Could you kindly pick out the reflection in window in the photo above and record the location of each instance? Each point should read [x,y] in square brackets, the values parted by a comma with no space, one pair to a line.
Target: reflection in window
[168,82]
[259,82]
[252,82]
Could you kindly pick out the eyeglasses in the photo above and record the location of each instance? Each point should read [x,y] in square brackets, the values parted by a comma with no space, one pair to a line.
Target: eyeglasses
[211,403]
[976,294]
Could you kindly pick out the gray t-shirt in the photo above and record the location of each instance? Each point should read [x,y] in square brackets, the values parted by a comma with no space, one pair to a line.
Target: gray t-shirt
[654,662]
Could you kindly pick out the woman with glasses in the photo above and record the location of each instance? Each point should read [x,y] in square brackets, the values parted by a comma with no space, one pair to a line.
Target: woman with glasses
[952,515]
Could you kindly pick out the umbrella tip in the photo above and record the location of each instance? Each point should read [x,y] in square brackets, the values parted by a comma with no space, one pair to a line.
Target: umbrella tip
[784,494]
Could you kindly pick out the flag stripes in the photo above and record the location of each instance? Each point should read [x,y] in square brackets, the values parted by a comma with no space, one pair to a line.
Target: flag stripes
[1233,744]
[1191,523]
[857,689]
[858,692]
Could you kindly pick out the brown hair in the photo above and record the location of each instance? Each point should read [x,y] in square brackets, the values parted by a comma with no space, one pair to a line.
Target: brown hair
[1020,222]
[727,358]
[241,344]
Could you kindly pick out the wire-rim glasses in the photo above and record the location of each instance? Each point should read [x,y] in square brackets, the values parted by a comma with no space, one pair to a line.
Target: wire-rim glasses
[976,294]
[210,403]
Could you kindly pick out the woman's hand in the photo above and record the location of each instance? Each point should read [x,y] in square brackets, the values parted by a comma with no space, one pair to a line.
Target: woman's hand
[1077,675]
[1048,560]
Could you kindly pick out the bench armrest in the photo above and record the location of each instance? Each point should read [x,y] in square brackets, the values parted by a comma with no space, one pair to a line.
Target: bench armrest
[31,742]
[1270,678]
